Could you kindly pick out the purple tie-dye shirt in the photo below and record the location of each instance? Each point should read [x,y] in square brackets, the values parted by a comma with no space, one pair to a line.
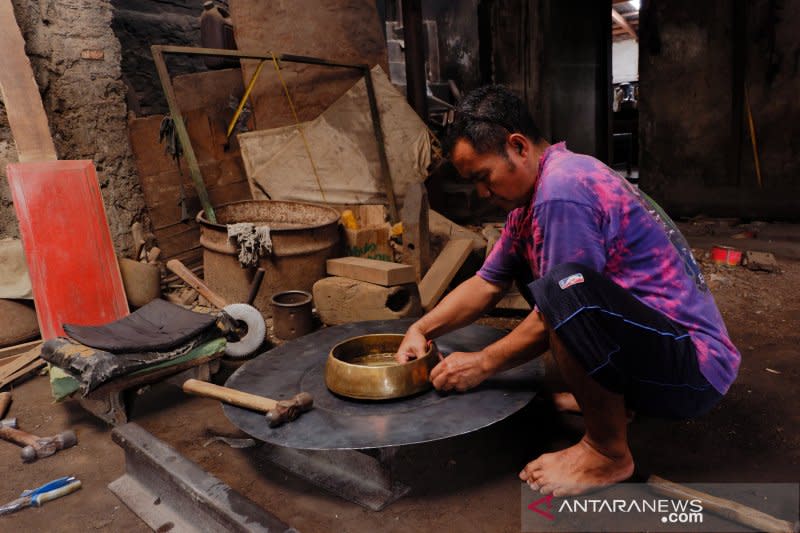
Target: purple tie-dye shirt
[584,212]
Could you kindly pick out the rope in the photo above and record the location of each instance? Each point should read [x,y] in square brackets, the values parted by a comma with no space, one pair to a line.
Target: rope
[243,101]
[299,127]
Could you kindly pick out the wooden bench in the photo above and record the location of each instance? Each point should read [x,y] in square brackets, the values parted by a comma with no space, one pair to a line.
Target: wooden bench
[112,401]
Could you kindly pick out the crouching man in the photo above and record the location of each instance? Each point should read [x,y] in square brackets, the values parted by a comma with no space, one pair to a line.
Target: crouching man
[619,300]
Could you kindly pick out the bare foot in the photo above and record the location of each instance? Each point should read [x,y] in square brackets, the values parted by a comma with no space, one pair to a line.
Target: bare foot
[577,469]
[565,402]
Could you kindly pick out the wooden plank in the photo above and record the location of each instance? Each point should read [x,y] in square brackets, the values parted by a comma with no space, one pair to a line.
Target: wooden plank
[27,369]
[20,93]
[442,272]
[173,245]
[17,349]
[204,90]
[372,271]
[68,246]
[416,231]
[20,362]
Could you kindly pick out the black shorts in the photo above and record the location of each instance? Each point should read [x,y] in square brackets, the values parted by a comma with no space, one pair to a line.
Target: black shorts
[626,346]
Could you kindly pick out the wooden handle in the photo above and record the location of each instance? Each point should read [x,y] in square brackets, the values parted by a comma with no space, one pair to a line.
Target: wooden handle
[5,401]
[18,436]
[257,279]
[196,283]
[231,396]
[728,509]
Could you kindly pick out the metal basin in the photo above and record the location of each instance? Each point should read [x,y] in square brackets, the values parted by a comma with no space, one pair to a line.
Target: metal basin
[303,236]
[363,368]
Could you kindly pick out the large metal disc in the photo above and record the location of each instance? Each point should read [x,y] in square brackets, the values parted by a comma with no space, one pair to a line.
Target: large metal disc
[341,423]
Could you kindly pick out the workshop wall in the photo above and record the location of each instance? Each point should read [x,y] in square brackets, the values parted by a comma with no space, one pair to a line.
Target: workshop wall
[76,61]
[141,23]
[696,58]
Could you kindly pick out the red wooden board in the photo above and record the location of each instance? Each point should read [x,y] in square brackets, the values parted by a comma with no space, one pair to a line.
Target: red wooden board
[68,247]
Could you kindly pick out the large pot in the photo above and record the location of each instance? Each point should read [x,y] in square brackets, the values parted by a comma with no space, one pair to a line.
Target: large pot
[303,236]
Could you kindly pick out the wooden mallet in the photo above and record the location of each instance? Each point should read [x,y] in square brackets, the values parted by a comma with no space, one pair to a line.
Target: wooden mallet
[277,412]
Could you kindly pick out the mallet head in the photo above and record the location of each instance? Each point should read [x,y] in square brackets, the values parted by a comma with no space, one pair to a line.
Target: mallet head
[48,446]
[288,410]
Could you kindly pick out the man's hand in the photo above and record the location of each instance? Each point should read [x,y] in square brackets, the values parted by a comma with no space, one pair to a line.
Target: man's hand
[414,345]
[460,371]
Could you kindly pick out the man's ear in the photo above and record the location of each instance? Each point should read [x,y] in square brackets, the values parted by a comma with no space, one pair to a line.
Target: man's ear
[518,143]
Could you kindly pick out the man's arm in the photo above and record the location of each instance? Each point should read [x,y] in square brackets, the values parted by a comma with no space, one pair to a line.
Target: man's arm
[462,371]
[461,307]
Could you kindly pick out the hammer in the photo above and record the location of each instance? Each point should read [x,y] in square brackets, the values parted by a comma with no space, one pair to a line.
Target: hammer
[277,412]
[250,327]
[35,447]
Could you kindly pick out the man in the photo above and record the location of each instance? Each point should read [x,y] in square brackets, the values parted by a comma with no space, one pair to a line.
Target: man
[619,300]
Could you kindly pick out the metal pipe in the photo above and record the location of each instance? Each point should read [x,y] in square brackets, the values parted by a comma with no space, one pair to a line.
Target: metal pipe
[196,51]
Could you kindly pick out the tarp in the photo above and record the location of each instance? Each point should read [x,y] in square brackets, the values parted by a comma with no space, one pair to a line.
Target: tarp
[14,280]
[344,150]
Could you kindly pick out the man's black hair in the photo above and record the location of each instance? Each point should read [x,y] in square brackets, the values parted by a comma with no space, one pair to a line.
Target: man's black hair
[485,118]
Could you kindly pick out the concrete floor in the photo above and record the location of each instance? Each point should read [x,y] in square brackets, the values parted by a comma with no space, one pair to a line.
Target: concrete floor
[468,483]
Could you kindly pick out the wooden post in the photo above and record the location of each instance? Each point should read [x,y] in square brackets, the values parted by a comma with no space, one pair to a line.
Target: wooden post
[416,232]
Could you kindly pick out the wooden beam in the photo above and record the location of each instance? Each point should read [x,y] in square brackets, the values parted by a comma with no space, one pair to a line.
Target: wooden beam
[20,94]
[442,272]
[619,19]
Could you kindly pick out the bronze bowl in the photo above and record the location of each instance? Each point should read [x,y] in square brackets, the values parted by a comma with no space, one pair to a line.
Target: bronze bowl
[364,368]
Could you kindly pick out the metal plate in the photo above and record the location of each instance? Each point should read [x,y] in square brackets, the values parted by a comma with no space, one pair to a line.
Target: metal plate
[340,423]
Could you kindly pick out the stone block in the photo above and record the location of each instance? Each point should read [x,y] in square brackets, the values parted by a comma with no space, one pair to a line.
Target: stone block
[343,300]
[760,261]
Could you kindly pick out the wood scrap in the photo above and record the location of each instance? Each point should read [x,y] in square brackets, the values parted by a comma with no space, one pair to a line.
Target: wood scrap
[372,271]
[443,270]
[137,234]
[22,372]
[441,226]
[9,353]
[153,254]
[11,371]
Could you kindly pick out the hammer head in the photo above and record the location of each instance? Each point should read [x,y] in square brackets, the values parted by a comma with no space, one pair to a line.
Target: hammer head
[9,423]
[48,446]
[288,410]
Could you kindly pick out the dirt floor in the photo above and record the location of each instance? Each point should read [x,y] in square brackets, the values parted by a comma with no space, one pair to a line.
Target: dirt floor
[467,483]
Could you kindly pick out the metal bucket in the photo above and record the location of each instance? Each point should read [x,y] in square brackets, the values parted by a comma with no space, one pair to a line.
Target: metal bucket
[291,314]
[303,236]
